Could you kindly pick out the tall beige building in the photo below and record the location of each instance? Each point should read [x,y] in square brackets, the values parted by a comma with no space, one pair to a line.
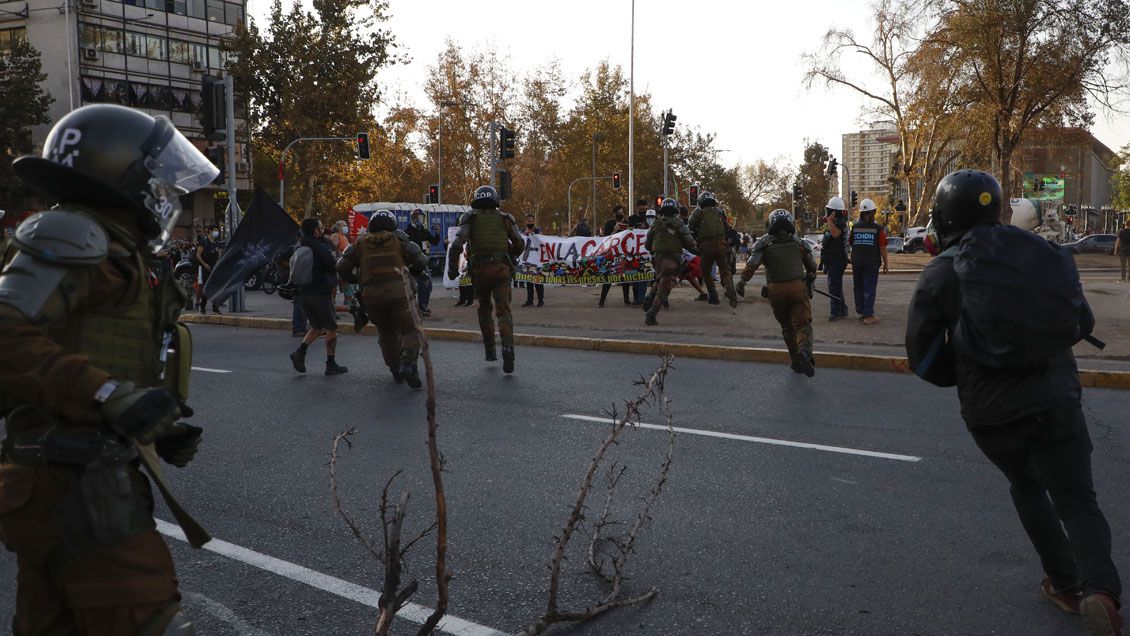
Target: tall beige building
[147,54]
[868,155]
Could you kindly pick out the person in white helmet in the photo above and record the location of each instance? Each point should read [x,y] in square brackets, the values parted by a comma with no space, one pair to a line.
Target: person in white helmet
[833,254]
[868,242]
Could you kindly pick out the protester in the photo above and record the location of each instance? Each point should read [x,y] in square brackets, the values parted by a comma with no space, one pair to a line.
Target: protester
[868,242]
[581,228]
[339,241]
[531,229]
[833,255]
[419,234]
[616,224]
[1122,248]
[207,253]
[316,297]
[1019,387]
[638,221]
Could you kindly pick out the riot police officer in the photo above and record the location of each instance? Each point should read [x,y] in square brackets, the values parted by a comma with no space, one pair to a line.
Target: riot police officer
[790,270]
[666,239]
[376,261]
[94,376]
[709,226]
[494,242]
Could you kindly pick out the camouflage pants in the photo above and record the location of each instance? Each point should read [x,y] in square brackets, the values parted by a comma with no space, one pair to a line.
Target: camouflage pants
[715,252]
[793,310]
[126,589]
[667,268]
[492,289]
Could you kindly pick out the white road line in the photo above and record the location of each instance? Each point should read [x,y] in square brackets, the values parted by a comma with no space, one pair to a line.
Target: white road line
[760,440]
[207,370]
[221,612]
[338,587]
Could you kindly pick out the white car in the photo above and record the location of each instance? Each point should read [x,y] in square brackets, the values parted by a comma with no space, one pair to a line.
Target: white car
[815,245]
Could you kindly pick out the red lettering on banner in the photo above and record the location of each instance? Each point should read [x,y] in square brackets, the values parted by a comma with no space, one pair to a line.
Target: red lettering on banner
[629,243]
[585,248]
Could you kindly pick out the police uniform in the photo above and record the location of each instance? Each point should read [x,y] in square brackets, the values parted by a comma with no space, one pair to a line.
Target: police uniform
[789,269]
[377,261]
[666,239]
[494,241]
[709,226]
[94,377]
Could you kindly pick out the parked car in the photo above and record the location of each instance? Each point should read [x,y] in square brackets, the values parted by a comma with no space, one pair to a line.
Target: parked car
[911,232]
[895,245]
[814,245]
[915,245]
[1093,244]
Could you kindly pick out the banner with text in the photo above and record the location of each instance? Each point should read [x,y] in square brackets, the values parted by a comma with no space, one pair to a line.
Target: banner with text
[581,260]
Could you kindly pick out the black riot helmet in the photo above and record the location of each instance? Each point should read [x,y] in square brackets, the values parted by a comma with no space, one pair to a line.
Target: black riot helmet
[781,222]
[382,221]
[108,155]
[669,207]
[707,200]
[965,198]
[486,198]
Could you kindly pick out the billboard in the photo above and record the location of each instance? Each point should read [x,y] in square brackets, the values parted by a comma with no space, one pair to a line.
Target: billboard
[1044,187]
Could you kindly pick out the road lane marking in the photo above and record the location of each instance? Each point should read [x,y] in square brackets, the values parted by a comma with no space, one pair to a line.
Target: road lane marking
[223,613]
[207,370]
[759,440]
[338,587]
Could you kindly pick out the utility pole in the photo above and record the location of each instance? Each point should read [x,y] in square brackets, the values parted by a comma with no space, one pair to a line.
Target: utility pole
[631,113]
[234,214]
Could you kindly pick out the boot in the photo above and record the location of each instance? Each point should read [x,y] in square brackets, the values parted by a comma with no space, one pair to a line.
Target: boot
[298,359]
[712,298]
[733,298]
[806,363]
[701,297]
[396,376]
[508,358]
[333,368]
[649,319]
[410,375]
[492,355]
[649,300]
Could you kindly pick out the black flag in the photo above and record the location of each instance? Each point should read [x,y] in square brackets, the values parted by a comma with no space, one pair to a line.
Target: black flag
[265,231]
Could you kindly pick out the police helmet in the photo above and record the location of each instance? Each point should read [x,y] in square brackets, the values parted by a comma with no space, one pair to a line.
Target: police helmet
[707,200]
[835,204]
[867,206]
[781,222]
[966,198]
[382,221]
[669,207]
[109,155]
[486,198]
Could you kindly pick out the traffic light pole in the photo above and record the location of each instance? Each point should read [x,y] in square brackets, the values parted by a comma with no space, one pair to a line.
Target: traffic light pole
[234,214]
[664,166]
[282,162]
[493,155]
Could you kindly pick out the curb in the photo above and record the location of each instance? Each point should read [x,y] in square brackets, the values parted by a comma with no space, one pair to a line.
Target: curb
[1119,380]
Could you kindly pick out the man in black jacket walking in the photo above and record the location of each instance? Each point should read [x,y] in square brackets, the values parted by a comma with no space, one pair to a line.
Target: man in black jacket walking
[316,299]
[1027,419]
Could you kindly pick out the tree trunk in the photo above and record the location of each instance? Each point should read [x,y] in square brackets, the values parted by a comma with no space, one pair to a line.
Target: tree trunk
[1006,188]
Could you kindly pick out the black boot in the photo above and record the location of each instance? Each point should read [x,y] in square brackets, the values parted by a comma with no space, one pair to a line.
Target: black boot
[411,376]
[649,319]
[806,363]
[396,376]
[333,368]
[492,355]
[298,358]
[701,297]
[508,358]
[713,298]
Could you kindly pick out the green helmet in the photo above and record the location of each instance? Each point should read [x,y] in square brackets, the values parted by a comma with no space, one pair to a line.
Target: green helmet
[110,155]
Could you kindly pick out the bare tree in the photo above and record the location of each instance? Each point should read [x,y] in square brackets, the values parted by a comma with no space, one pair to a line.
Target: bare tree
[608,554]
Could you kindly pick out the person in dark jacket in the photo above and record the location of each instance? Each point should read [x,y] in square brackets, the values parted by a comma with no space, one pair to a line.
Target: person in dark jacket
[834,256]
[1027,420]
[316,299]
[532,228]
[582,228]
[616,224]
[419,234]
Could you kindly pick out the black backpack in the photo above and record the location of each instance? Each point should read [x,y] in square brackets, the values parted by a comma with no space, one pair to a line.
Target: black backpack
[1021,298]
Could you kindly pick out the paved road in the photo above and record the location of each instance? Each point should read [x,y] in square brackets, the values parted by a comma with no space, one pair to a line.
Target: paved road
[749,538]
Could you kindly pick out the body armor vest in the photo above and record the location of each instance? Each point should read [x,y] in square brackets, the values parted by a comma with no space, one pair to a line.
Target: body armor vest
[712,227]
[865,243]
[379,258]
[783,260]
[666,239]
[488,234]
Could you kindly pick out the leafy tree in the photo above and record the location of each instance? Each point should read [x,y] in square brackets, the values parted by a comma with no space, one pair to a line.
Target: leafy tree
[1120,180]
[812,178]
[765,185]
[22,104]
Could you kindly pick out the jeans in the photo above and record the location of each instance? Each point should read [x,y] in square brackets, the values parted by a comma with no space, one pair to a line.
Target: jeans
[604,292]
[297,319]
[835,272]
[424,289]
[530,289]
[639,290]
[1047,460]
[866,280]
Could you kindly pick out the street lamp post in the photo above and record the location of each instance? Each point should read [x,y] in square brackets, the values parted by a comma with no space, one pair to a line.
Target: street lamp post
[592,208]
[632,111]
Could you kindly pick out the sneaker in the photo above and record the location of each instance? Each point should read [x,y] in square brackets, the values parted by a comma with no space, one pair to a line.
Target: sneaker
[333,368]
[1100,615]
[508,358]
[869,320]
[426,313]
[215,309]
[298,359]
[1066,601]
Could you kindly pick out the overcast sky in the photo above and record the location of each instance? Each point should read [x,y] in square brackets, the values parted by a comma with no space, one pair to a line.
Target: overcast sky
[731,67]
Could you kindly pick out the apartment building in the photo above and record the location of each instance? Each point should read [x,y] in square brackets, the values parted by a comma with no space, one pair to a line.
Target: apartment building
[868,155]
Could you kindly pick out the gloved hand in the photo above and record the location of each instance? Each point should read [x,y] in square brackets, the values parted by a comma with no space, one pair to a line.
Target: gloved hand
[740,288]
[180,444]
[143,414]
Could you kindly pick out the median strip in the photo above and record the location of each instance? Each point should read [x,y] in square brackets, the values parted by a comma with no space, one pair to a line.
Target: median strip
[825,359]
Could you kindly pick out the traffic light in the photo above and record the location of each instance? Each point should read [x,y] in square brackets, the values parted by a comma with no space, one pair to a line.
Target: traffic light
[215,154]
[854,199]
[694,194]
[658,201]
[616,180]
[213,108]
[362,145]
[433,193]
[504,184]
[796,192]
[833,167]
[669,123]
[505,143]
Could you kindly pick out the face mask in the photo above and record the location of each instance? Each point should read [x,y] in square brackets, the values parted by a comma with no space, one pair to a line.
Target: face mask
[650,221]
[530,225]
[215,235]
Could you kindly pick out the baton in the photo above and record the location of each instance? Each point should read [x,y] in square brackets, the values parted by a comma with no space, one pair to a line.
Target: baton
[835,297]
[1095,342]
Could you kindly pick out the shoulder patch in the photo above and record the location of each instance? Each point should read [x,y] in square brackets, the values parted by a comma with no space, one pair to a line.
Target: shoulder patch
[62,237]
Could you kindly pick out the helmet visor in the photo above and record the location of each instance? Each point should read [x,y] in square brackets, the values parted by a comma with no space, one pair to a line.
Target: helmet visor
[175,168]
